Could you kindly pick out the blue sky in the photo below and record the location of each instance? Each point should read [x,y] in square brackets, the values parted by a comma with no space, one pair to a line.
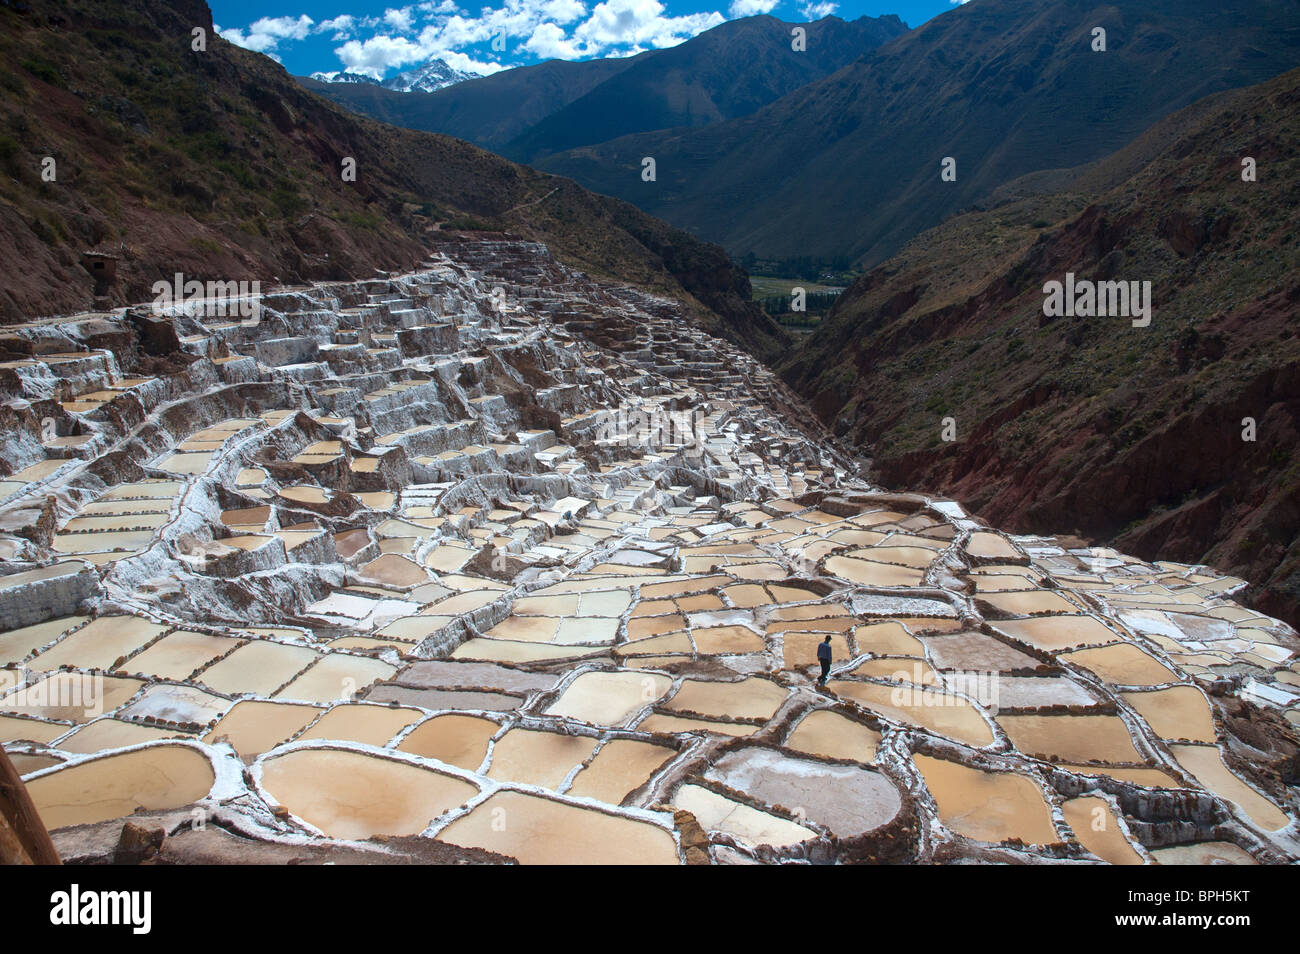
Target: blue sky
[381,38]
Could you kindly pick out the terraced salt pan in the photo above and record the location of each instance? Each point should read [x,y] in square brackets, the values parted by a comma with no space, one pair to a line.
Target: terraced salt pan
[27,764]
[105,523]
[350,609]
[338,792]
[448,558]
[558,605]
[104,734]
[466,601]
[17,644]
[540,831]
[1123,665]
[305,494]
[372,725]
[1030,603]
[990,546]
[335,677]
[512,651]
[449,674]
[30,730]
[749,825]
[834,624]
[916,557]
[609,698]
[99,644]
[1203,853]
[887,639]
[755,571]
[53,571]
[620,768]
[190,465]
[869,573]
[70,696]
[1097,829]
[144,490]
[1071,738]
[1027,692]
[719,640]
[394,570]
[699,603]
[830,735]
[1054,633]
[752,698]
[1205,764]
[988,806]
[178,654]
[915,671]
[412,629]
[808,611]
[154,778]
[455,739]
[747,595]
[259,667]
[538,758]
[640,627]
[1001,582]
[682,586]
[939,712]
[1179,712]
[846,799]
[176,704]
[679,643]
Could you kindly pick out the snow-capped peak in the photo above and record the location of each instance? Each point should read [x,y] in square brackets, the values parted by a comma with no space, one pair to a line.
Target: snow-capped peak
[435,74]
[343,76]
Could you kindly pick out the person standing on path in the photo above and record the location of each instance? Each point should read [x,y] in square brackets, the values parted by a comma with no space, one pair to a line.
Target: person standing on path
[824,657]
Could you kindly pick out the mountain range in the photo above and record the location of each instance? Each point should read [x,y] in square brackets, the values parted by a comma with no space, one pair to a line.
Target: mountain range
[432,75]
[851,164]
[726,72]
[838,152]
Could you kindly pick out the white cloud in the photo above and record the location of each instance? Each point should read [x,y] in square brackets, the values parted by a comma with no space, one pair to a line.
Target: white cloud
[749,8]
[535,26]
[341,26]
[408,35]
[818,10]
[616,23]
[379,53]
[401,20]
[459,61]
[549,42]
[265,34]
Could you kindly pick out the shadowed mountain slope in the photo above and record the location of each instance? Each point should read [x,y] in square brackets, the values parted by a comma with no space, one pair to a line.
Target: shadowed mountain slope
[850,164]
[1124,434]
[489,111]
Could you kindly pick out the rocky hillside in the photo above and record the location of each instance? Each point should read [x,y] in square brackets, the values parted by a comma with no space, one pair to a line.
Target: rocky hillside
[217,164]
[850,164]
[1132,435]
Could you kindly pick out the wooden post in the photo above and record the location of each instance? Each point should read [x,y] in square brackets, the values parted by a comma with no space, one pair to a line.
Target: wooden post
[23,838]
